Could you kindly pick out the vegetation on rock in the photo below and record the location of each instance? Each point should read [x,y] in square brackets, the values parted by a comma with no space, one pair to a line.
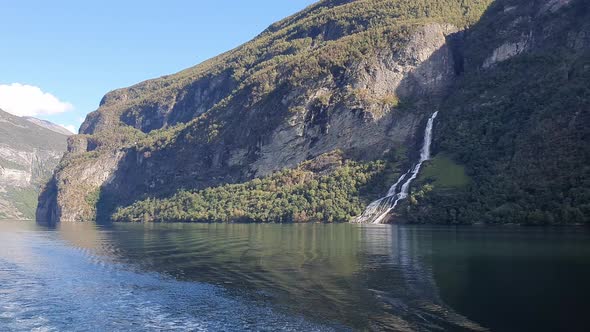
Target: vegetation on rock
[519,129]
[510,143]
[326,189]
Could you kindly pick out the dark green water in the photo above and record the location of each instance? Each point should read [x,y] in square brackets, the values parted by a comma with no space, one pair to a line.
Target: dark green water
[292,277]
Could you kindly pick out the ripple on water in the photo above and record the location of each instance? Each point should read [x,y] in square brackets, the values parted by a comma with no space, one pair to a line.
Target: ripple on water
[50,286]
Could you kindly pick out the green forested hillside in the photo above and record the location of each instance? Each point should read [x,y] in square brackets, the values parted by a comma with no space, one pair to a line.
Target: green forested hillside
[298,195]
[523,140]
[520,129]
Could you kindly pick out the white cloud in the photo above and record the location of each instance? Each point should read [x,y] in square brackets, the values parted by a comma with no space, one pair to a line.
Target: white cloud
[71,128]
[27,100]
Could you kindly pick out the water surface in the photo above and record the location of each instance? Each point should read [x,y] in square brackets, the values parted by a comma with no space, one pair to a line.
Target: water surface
[292,277]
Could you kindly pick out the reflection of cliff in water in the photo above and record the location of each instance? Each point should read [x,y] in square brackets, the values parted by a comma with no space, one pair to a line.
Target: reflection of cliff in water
[91,239]
[308,270]
[407,295]
[364,277]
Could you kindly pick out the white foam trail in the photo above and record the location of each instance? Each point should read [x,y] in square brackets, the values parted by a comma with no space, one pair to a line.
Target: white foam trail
[379,209]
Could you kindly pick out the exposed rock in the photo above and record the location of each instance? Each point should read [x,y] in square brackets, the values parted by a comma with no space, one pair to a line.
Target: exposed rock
[77,197]
[507,51]
[424,67]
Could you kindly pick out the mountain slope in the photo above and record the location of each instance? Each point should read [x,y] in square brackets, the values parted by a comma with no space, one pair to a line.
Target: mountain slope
[329,78]
[518,120]
[334,98]
[28,154]
[49,125]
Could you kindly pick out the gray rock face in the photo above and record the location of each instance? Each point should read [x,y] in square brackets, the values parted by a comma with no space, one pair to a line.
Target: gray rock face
[527,27]
[425,67]
[506,51]
[25,168]
[28,154]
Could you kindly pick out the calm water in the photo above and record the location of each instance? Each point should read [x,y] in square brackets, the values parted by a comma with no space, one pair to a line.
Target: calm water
[201,277]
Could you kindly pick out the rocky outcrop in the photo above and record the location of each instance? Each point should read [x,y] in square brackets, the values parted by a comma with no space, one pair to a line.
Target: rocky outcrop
[525,27]
[507,51]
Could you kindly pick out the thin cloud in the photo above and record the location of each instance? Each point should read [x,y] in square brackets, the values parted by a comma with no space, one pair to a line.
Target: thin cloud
[70,128]
[28,100]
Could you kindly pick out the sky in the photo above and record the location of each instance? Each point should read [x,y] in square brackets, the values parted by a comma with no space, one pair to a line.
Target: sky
[58,58]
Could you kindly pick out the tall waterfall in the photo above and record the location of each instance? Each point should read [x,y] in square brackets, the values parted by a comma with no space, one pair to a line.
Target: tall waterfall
[379,209]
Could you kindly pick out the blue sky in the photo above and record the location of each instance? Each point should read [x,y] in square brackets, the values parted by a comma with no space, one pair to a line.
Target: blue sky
[58,58]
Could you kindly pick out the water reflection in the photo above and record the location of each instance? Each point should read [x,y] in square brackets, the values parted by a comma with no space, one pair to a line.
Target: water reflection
[50,285]
[365,277]
[515,279]
[321,277]
[407,292]
[312,270]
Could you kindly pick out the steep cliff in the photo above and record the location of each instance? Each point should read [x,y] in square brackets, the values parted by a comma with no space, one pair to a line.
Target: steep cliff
[352,76]
[28,155]
[332,98]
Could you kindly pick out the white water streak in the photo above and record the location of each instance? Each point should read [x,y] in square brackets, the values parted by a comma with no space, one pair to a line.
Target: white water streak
[379,209]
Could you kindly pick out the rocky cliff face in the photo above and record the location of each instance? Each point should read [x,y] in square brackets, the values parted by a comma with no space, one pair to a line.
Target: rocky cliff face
[358,77]
[28,154]
[329,78]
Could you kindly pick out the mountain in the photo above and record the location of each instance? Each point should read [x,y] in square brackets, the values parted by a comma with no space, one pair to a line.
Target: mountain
[324,110]
[516,123]
[49,125]
[28,155]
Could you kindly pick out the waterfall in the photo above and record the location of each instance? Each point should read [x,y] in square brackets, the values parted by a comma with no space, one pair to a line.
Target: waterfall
[379,209]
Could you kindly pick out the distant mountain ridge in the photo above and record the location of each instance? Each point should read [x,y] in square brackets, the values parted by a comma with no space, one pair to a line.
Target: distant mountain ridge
[49,125]
[29,153]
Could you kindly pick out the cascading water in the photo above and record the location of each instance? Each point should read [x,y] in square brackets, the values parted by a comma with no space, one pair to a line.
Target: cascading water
[379,209]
